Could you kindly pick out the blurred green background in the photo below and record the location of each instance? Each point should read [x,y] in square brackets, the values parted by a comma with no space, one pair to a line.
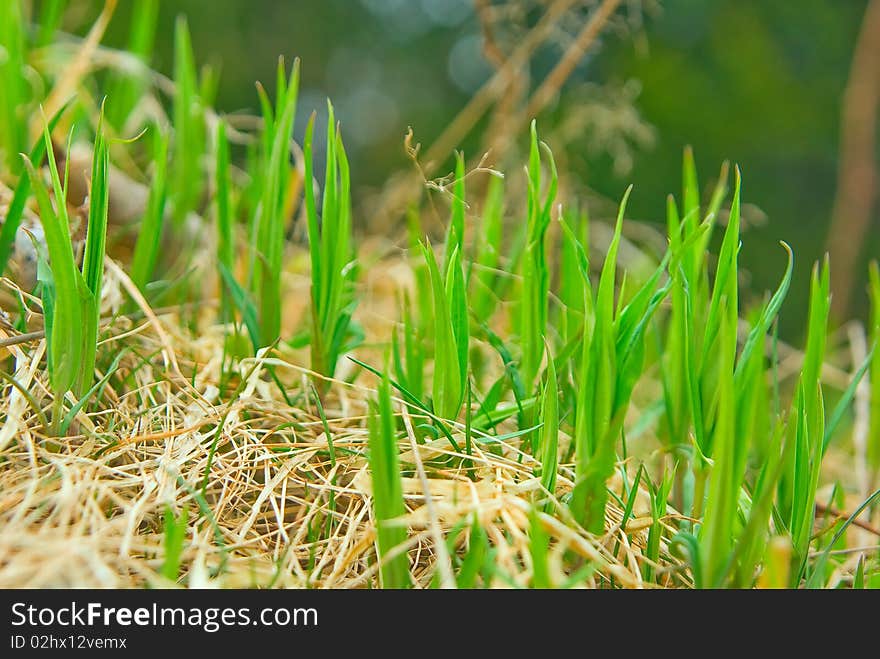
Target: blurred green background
[757,82]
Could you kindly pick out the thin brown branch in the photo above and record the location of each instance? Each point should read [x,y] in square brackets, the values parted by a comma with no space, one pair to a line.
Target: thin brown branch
[494,87]
[839,515]
[549,88]
[563,70]
[491,49]
[404,190]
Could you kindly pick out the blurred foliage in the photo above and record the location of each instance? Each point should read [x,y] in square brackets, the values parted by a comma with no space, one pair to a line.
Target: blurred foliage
[758,83]
[755,82]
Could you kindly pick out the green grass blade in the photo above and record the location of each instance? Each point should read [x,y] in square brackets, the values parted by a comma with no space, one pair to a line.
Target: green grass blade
[146,248]
[717,530]
[458,314]
[244,303]
[65,342]
[487,252]
[447,392]
[189,138]
[225,231]
[846,399]
[455,233]
[330,248]
[474,561]
[74,410]
[93,258]
[539,544]
[174,531]
[388,504]
[270,225]
[535,273]
[549,441]
[14,90]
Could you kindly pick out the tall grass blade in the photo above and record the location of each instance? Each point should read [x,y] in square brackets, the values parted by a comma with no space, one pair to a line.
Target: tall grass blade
[189,138]
[225,232]
[13,83]
[549,433]
[146,248]
[388,504]
[93,258]
[535,274]
[331,251]
[65,337]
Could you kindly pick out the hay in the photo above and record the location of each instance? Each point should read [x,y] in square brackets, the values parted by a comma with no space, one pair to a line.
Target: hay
[87,510]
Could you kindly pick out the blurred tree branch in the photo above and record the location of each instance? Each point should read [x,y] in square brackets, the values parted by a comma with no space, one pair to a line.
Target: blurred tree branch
[552,84]
[502,92]
[857,168]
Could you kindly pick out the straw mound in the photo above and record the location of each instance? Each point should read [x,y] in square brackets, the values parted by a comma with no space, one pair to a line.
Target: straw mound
[87,510]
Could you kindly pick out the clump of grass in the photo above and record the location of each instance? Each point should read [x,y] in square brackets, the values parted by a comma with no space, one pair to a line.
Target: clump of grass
[535,274]
[717,437]
[330,249]
[62,293]
[259,300]
[93,258]
[267,230]
[801,477]
[688,239]
[71,298]
[542,376]
[450,334]
[611,360]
